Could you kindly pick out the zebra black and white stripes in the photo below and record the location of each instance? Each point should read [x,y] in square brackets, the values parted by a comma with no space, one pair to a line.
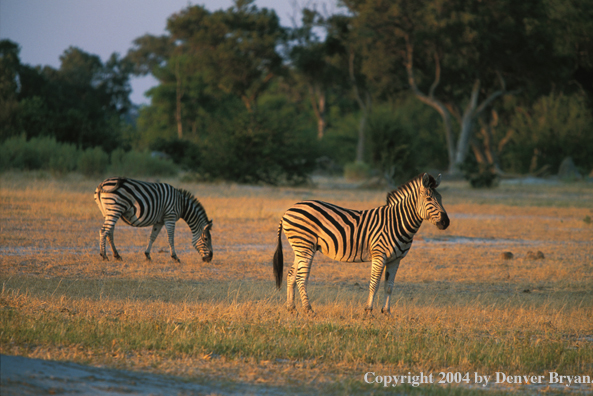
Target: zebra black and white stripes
[143,204]
[382,235]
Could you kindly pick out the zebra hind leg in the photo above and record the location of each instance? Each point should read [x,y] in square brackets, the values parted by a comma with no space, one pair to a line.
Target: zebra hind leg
[102,236]
[290,286]
[112,244]
[107,233]
[302,278]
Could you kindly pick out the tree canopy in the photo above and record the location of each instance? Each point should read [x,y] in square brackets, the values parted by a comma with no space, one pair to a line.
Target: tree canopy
[401,85]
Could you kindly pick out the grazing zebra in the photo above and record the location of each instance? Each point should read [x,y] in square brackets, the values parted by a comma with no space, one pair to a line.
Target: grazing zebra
[382,235]
[143,204]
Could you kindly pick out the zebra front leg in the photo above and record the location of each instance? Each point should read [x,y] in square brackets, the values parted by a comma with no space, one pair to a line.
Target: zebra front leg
[390,271]
[155,232]
[170,226]
[290,284]
[376,272]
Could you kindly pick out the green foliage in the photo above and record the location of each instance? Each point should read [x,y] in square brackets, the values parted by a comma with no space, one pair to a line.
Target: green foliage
[135,163]
[185,153]
[554,127]
[271,146]
[403,142]
[38,153]
[83,102]
[46,153]
[228,106]
[479,175]
[339,142]
[394,147]
[357,171]
[93,162]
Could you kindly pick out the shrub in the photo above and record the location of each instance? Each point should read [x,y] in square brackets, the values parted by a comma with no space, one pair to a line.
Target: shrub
[38,153]
[555,127]
[395,148]
[479,175]
[93,162]
[64,158]
[183,152]
[135,163]
[264,147]
[357,171]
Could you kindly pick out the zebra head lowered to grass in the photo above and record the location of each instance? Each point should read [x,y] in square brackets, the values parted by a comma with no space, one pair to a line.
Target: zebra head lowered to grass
[381,235]
[143,204]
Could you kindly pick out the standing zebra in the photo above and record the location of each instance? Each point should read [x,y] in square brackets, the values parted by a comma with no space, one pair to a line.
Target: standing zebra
[382,235]
[143,204]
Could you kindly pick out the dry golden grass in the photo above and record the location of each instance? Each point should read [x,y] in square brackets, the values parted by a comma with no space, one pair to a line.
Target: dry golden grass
[457,305]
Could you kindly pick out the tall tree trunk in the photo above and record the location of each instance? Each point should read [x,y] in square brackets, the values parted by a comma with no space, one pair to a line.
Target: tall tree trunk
[457,154]
[490,152]
[466,127]
[318,102]
[178,96]
[472,111]
[431,100]
[360,145]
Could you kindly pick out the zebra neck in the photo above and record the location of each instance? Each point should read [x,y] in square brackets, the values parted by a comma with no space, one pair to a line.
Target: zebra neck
[406,213]
[195,218]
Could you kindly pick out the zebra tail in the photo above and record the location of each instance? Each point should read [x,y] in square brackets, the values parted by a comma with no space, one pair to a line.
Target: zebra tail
[279,259]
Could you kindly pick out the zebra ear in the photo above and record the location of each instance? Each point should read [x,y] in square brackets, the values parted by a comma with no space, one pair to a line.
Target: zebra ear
[426,180]
[437,181]
[208,226]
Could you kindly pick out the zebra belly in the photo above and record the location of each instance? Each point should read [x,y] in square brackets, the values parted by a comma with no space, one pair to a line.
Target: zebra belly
[130,218]
[348,255]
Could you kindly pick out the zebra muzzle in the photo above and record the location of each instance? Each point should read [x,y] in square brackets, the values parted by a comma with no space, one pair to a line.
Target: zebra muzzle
[443,223]
[207,258]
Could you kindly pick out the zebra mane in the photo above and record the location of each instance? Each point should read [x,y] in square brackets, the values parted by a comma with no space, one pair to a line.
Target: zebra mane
[193,200]
[408,188]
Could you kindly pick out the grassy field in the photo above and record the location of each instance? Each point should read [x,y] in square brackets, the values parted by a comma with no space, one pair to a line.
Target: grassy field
[457,305]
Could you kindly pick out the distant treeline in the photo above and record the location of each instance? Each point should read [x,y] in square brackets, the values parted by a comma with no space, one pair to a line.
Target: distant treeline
[387,87]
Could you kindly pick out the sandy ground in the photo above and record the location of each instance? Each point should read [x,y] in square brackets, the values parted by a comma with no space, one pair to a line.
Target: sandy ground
[21,376]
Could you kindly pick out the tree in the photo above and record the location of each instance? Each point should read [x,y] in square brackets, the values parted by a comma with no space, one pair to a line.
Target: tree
[316,63]
[10,65]
[451,49]
[83,102]
[236,48]
[207,57]
[351,49]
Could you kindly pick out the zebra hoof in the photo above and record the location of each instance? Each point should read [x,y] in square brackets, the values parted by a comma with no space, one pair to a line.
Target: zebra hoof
[309,311]
[105,258]
[386,312]
[368,312]
[176,259]
[117,258]
[148,258]
[291,309]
